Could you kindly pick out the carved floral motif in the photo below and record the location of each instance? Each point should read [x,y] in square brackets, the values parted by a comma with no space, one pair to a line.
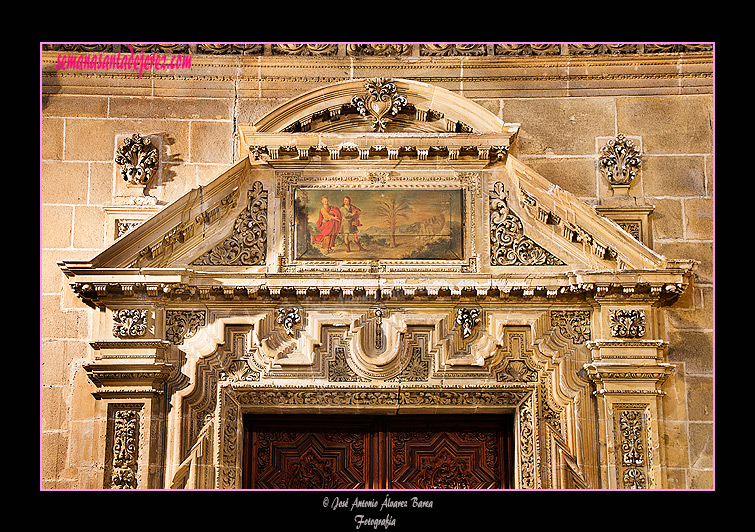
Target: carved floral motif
[138,158]
[619,161]
[627,323]
[129,322]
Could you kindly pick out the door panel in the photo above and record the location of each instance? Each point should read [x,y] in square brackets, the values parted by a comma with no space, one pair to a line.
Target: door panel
[311,453]
[445,455]
[394,452]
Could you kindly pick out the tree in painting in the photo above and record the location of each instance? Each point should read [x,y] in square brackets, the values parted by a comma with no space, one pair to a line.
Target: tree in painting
[392,211]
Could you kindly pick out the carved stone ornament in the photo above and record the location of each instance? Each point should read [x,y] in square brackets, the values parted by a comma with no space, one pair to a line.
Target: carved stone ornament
[627,323]
[619,161]
[632,449]
[129,322]
[125,450]
[138,158]
[467,319]
[573,324]
[508,245]
[181,324]
[380,102]
[289,318]
[247,245]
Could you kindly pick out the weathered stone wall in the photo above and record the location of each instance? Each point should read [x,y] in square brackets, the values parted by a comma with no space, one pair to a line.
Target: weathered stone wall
[564,102]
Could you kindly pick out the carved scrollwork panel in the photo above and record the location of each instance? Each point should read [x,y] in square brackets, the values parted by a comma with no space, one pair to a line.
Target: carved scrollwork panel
[130,322]
[182,324]
[247,245]
[627,323]
[508,244]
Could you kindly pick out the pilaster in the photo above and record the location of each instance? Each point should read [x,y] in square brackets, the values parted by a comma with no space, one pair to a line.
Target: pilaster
[129,371]
[628,371]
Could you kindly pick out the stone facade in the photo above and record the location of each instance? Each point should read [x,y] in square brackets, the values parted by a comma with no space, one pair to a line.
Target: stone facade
[176,298]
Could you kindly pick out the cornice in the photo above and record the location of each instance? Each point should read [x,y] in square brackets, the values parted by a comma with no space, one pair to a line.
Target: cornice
[185,286]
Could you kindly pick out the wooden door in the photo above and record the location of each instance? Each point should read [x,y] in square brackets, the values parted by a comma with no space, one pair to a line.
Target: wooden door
[394,452]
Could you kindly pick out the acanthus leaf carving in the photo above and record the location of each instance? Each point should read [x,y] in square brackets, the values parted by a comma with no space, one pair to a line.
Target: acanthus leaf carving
[619,161]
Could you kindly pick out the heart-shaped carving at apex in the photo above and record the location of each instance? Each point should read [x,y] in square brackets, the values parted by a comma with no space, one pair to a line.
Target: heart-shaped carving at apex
[379,106]
[380,101]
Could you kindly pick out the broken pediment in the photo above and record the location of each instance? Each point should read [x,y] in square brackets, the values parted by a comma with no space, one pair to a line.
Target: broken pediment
[376,187]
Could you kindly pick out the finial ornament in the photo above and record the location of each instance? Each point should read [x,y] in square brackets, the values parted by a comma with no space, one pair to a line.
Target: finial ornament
[619,160]
[138,158]
[381,101]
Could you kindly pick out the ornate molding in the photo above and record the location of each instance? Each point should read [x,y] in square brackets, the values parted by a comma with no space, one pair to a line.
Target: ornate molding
[138,159]
[508,244]
[248,244]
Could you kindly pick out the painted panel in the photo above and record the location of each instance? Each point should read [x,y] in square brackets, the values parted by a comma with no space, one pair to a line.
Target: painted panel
[375,224]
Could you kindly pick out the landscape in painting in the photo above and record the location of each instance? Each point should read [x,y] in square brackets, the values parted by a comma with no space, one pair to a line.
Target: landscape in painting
[374,224]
